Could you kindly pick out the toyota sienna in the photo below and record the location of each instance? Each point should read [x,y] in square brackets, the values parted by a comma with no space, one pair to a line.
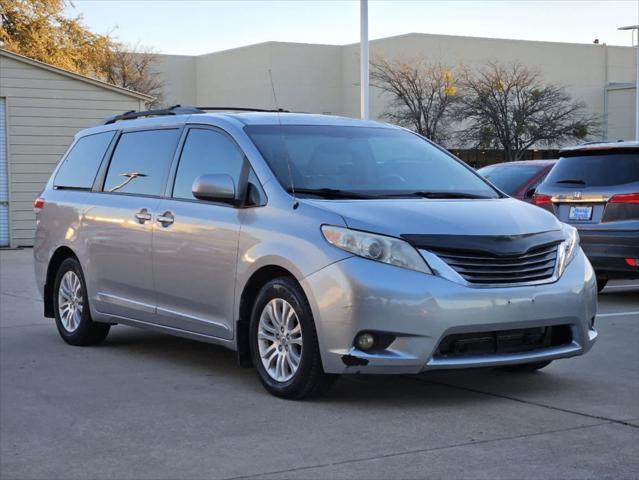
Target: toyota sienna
[312,245]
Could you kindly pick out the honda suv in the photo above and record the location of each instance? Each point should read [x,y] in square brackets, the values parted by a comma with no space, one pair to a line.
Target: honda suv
[312,245]
[595,187]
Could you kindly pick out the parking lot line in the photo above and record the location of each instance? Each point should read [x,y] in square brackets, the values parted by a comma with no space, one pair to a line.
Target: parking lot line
[634,285]
[617,314]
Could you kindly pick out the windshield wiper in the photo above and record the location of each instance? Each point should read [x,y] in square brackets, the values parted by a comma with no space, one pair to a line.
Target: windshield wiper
[574,181]
[330,193]
[435,194]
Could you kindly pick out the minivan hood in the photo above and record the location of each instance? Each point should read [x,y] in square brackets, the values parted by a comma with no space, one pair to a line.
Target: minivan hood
[395,217]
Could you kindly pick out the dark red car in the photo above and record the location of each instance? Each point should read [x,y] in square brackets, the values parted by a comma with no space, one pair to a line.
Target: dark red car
[518,179]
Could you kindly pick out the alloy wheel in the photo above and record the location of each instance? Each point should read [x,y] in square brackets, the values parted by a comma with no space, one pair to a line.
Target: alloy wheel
[279,339]
[70,301]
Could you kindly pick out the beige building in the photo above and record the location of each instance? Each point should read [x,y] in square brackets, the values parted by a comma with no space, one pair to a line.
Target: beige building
[41,109]
[325,78]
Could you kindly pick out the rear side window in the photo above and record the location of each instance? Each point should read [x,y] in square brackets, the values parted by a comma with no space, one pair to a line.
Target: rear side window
[81,164]
[510,178]
[141,161]
[206,152]
[596,170]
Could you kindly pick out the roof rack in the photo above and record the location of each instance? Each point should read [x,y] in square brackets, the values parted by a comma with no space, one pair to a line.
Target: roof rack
[132,114]
[243,109]
[179,110]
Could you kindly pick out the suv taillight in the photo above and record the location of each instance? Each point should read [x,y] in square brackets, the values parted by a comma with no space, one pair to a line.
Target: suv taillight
[539,199]
[38,204]
[625,198]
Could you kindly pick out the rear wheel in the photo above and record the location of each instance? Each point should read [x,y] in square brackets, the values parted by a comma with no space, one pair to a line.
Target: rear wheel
[284,342]
[601,283]
[71,307]
[527,367]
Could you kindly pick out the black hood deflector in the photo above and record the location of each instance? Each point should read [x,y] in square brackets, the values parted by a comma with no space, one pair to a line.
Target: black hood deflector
[495,245]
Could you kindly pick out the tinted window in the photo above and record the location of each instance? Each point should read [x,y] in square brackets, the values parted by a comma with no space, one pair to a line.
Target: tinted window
[81,164]
[510,178]
[206,152]
[362,159]
[141,161]
[596,170]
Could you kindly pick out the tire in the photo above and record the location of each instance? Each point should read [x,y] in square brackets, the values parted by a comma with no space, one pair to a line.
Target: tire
[527,367]
[288,366]
[74,320]
[601,283]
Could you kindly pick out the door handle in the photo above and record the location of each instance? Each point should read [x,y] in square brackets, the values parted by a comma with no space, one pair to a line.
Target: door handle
[166,218]
[143,216]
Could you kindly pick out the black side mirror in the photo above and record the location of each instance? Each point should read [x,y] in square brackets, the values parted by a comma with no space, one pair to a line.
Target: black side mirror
[530,192]
[215,188]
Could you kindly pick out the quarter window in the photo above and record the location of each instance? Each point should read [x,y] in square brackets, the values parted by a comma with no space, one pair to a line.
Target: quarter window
[81,164]
[141,161]
[206,152]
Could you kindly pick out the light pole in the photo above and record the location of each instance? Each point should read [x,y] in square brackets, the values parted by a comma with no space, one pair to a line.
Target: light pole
[363,59]
[635,27]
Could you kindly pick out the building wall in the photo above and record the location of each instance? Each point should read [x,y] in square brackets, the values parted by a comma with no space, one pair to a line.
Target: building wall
[324,78]
[178,76]
[45,110]
[305,77]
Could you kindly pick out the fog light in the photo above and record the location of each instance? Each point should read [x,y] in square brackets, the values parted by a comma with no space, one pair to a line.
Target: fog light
[365,341]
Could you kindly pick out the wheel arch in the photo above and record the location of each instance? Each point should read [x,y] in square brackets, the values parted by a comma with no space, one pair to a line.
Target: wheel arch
[256,281]
[59,256]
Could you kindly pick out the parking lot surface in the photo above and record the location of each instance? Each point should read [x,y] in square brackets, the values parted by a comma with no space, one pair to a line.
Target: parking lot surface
[147,405]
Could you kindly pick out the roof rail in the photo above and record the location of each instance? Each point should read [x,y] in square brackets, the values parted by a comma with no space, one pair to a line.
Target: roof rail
[132,114]
[180,110]
[242,109]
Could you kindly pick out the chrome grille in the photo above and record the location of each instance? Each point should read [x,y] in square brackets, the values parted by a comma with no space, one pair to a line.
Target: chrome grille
[483,268]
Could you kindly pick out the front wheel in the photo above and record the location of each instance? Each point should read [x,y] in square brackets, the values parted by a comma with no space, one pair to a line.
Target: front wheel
[71,307]
[284,343]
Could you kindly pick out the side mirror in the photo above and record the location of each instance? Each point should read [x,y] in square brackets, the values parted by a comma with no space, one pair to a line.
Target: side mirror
[530,192]
[214,188]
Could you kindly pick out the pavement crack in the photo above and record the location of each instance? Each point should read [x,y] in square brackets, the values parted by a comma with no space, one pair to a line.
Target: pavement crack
[16,295]
[527,402]
[25,325]
[415,451]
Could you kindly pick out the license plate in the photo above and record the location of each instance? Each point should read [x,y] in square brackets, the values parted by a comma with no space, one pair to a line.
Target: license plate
[580,213]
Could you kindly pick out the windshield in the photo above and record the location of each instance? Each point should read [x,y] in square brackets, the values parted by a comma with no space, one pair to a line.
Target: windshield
[510,178]
[363,162]
[596,170]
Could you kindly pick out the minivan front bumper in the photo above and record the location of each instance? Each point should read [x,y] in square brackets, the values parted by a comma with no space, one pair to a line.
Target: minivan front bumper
[417,311]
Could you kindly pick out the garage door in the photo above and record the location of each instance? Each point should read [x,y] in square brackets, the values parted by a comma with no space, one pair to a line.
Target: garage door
[4,178]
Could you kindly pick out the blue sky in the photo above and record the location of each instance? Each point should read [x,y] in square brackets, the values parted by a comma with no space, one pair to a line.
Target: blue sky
[197,27]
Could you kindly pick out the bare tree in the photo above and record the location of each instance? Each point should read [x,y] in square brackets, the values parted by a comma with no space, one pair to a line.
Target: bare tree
[132,68]
[421,95]
[510,107]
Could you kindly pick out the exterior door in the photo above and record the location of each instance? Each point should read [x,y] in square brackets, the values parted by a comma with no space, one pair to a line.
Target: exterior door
[4,177]
[195,246]
[119,224]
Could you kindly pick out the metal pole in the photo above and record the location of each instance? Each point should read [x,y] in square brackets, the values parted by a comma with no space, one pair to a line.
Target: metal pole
[363,60]
[637,92]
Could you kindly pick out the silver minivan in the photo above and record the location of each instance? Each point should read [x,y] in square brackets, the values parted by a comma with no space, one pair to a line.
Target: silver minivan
[312,245]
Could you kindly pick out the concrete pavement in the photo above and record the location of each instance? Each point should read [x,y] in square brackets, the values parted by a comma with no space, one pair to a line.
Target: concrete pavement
[147,405]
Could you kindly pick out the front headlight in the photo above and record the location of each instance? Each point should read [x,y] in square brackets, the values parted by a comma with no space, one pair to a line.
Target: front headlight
[568,248]
[376,247]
